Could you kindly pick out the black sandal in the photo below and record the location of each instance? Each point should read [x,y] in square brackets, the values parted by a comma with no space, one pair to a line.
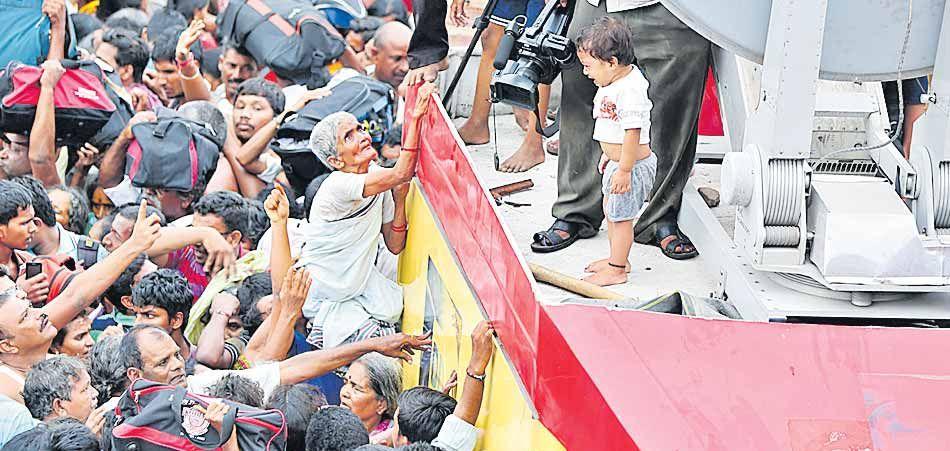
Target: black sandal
[676,248]
[551,241]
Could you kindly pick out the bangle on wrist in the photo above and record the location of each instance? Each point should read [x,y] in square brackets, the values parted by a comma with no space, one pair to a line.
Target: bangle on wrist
[410,149]
[478,377]
[399,229]
[189,77]
[183,61]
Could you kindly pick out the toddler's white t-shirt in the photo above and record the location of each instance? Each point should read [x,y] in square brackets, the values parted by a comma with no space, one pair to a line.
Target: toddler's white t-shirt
[622,105]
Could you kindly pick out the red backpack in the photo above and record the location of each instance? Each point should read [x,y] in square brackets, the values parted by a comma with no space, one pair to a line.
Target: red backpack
[83,106]
[155,417]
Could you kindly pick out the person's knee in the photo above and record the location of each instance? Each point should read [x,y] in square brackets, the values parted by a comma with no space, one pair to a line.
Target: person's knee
[490,38]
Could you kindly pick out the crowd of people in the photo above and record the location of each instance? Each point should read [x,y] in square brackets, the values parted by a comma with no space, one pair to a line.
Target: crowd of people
[225,282]
[205,264]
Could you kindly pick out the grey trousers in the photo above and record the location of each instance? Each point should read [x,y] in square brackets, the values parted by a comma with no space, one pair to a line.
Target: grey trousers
[674,59]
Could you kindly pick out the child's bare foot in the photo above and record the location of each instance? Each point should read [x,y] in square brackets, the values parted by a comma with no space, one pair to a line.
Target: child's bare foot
[529,155]
[552,145]
[474,134]
[602,264]
[607,276]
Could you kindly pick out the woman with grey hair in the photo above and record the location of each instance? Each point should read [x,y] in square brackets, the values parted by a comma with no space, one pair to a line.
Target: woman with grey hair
[359,204]
[370,389]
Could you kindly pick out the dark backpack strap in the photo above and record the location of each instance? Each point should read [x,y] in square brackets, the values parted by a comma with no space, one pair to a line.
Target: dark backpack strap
[87,250]
[361,211]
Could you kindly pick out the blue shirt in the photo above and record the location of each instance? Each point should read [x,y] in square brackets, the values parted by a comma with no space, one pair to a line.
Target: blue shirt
[16,418]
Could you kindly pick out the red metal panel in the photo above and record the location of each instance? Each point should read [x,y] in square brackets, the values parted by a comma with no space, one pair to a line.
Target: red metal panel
[688,383]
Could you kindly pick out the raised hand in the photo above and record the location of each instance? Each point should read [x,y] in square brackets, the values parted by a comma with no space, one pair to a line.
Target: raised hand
[226,304]
[482,347]
[36,287]
[188,38]
[52,72]
[87,155]
[457,13]
[277,206]
[56,11]
[313,94]
[146,229]
[294,289]
[422,99]
[220,254]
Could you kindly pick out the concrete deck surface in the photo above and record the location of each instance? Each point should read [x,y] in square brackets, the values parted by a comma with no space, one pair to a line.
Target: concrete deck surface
[652,274]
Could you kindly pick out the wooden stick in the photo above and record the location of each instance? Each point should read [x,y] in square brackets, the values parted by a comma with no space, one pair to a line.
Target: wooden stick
[499,191]
[566,282]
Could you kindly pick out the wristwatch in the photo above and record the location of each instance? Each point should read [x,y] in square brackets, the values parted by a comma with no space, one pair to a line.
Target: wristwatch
[480,378]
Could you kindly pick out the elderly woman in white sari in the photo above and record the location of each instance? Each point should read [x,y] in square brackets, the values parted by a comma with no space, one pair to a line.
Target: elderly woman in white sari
[359,204]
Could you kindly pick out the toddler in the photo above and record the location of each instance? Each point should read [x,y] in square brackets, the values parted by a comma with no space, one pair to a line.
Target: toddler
[622,126]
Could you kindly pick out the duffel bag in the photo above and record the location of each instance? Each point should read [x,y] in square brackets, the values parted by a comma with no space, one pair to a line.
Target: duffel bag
[155,417]
[370,100]
[292,38]
[120,118]
[172,153]
[83,106]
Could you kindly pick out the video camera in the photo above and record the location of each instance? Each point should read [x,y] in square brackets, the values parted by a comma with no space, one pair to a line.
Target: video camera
[526,57]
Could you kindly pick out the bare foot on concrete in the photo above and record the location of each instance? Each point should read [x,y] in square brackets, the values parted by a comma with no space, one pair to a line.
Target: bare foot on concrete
[602,264]
[529,155]
[474,134]
[608,276]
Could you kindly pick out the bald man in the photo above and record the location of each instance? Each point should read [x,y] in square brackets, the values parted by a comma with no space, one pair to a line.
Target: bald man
[388,52]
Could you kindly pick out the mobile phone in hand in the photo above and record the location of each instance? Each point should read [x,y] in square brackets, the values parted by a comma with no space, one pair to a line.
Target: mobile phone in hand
[33,269]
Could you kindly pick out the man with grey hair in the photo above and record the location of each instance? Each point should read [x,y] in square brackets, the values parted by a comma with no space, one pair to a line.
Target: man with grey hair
[359,201]
[59,387]
[105,368]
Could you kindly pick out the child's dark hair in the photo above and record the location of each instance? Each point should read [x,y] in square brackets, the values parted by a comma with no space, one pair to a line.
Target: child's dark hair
[607,38]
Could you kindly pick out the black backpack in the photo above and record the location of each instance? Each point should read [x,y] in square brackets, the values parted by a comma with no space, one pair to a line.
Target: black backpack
[155,417]
[292,38]
[172,153]
[370,100]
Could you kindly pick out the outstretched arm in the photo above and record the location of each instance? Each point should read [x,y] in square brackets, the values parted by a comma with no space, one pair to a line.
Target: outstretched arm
[277,207]
[387,179]
[317,363]
[42,153]
[210,350]
[482,349]
[192,83]
[274,338]
[91,283]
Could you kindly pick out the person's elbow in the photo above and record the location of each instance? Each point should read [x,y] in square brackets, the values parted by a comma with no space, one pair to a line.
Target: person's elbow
[396,248]
[216,361]
[40,154]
